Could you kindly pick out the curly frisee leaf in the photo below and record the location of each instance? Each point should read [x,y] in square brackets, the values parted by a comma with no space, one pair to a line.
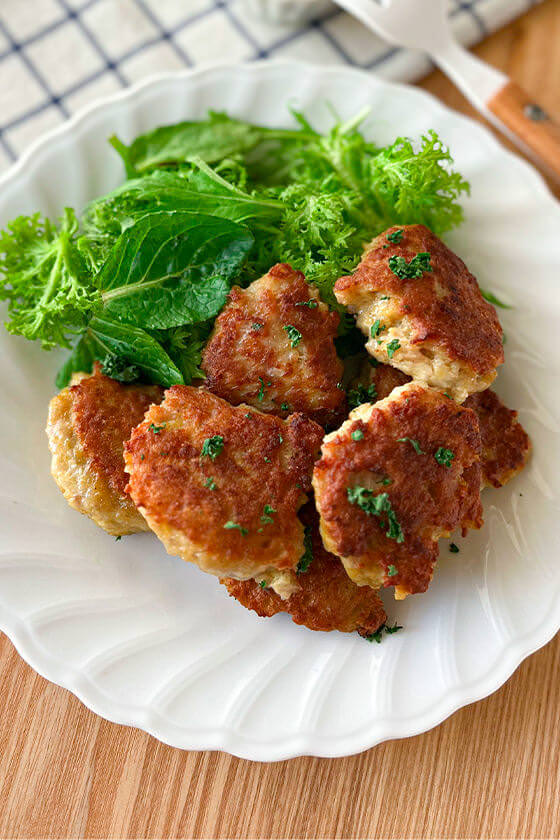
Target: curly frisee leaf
[45,280]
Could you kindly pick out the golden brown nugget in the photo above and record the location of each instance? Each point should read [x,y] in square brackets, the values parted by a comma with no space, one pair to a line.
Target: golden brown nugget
[272,347]
[384,379]
[505,443]
[87,426]
[326,600]
[423,312]
[221,485]
[396,477]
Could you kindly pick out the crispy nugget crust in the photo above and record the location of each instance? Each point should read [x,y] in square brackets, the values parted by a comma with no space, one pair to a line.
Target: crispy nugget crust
[105,412]
[450,336]
[386,379]
[264,461]
[305,377]
[429,500]
[505,443]
[327,598]
[87,426]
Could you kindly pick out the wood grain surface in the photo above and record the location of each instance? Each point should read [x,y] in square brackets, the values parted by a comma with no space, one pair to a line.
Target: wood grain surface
[519,111]
[491,770]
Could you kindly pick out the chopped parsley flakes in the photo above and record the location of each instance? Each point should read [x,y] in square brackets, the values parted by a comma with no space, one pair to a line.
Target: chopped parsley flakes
[156,429]
[444,456]
[392,571]
[495,301]
[393,346]
[376,328]
[312,304]
[285,407]
[379,506]
[212,447]
[256,326]
[230,526]
[262,584]
[395,237]
[453,548]
[361,394]
[266,517]
[260,395]
[210,483]
[413,443]
[357,434]
[307,557]
[376,637]
[294,335]
[413,269]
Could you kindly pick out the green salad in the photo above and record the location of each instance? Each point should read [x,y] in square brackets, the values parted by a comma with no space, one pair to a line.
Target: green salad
[136,278]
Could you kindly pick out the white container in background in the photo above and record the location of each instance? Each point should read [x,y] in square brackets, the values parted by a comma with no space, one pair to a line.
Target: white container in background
[288,11]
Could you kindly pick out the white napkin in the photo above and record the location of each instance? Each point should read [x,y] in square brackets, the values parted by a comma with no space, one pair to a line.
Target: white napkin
[58,55]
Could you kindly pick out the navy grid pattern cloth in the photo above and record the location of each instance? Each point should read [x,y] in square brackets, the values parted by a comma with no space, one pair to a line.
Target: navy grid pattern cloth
[59,55]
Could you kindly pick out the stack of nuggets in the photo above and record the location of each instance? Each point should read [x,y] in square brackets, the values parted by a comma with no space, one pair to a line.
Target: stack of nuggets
[220,472]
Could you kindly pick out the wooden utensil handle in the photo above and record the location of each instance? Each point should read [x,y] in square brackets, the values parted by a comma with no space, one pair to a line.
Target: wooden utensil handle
[537,129]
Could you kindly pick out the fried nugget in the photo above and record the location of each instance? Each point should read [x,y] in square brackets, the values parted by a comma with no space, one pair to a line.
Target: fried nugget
[87,426]
[384,378]
[272,347]
[396,477]
[423,312]
[505,443]
[221,485]
[326,598]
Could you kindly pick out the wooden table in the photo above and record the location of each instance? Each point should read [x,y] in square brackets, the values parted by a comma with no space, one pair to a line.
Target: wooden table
[492,770]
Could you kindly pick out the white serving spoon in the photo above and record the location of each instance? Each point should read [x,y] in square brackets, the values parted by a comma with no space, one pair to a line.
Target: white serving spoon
[424,25]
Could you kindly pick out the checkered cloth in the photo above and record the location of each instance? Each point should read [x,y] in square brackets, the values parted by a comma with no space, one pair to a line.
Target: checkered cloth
[58,55]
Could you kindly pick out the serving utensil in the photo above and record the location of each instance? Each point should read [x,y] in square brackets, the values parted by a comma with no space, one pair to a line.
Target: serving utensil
[424,25]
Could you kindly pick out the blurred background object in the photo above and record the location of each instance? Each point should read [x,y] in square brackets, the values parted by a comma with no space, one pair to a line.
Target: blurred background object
[58,55]
[289,11]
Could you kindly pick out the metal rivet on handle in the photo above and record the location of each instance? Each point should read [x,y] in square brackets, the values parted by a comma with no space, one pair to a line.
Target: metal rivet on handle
[535,113]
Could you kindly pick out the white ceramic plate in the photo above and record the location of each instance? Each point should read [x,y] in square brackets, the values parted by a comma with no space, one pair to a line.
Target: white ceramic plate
[145,639]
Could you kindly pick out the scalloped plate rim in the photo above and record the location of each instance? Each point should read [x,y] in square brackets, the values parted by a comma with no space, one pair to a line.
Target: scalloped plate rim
[33,652]
[135,89]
